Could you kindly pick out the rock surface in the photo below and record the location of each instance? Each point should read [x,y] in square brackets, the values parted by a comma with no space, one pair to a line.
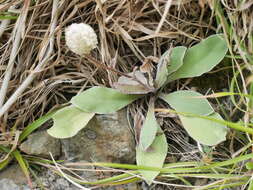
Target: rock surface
[40,144]
[7,184]
[14,173]
[106,138]
[52,181]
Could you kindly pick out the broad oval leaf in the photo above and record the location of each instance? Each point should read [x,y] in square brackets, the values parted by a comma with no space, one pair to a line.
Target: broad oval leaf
[202,57]
[188,101]
[176,58]
[149,128]
[205,131]
[102,100]
[68,122]
[153,157]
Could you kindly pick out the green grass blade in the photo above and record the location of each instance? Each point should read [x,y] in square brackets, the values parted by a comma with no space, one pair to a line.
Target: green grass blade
[250,185]
[223,94]
[223,122]
[5,17]
[5,163]
[108,180]
[35,125]
[181,169]
[205,175]
[23,165]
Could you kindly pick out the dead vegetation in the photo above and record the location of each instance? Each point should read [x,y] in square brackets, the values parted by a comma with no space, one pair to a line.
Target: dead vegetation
[128,35]
[38,73]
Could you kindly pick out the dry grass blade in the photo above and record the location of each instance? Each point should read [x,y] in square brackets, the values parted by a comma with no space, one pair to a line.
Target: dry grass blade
[45,54]
[166,10]
[62,173]
[17,34]
[13,142]
[3,26]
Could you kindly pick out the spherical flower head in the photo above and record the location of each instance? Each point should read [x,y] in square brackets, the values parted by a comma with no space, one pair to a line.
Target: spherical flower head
[81,38]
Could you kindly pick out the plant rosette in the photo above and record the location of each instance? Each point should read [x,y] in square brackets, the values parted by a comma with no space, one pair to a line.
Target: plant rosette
[177,63]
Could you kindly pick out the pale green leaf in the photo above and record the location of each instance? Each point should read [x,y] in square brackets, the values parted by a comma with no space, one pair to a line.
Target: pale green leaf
[68,122]
[176,58]
[188,101]
[202,57]
[154,156]
[205,131]
[149,128]
[102,100]
[162,70]
[170,62]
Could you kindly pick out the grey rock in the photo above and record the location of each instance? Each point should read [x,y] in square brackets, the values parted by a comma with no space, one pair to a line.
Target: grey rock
[87,171]
[7,184]
[52,181]
[72,188]
[130,186]
[200,181]
[25,187]
[106,138]
[40,144]
[14,173]
[61,184]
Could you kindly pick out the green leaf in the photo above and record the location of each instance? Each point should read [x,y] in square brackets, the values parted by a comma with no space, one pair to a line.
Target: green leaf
[162,70]
[176,58]
[23,165]
[5,163]
[153,157]
[69,121]
[170,62]
[149,128]
[188,101]
[11,17]
[205,131]
[249,165]
[102,100]
[35,125]
[202,130]
[250,184]
[202,57]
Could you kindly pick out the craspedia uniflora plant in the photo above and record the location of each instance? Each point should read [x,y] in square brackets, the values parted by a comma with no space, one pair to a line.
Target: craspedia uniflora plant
[80,38]
[178,62]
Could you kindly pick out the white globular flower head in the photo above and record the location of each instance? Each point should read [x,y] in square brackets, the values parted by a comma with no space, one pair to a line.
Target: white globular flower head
[81,38]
